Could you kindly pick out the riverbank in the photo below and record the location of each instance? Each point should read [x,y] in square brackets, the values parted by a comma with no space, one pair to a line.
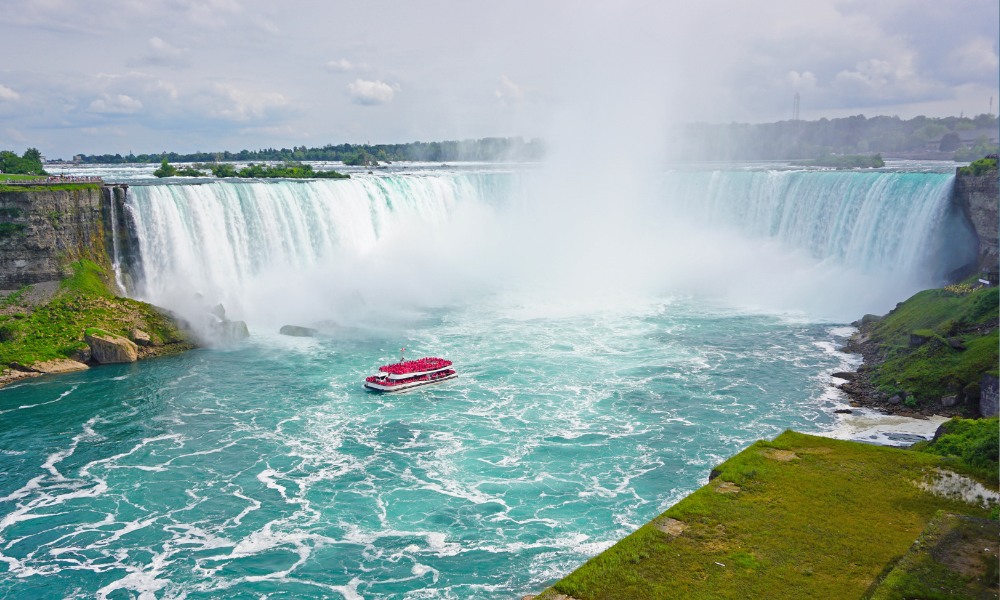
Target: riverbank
[935,353]
[74,324]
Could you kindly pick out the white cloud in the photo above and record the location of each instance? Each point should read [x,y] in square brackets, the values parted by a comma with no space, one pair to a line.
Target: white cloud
[975,57]
[371,93]
[877,78]
[230,103]
[509,92]
[115,104]
[340,65]
[8,94]
[800,82]
[162,52]
[206,12]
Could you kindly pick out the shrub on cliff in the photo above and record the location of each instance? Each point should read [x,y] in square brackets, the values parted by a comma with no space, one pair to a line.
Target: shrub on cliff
[976,442]
[982,166]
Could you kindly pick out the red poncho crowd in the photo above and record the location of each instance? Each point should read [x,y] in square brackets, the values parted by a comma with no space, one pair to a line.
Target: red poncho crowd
[419,365]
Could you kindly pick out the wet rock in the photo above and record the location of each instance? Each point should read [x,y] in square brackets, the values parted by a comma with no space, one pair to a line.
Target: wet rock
[232,330]
[141,338]
[849,376]
[895,399]
[867,320]
[989,390]
[844,411]
[59,365]
[298,331]
[219,311]
[905,438]
[949,401]
[107,348]
[81,355]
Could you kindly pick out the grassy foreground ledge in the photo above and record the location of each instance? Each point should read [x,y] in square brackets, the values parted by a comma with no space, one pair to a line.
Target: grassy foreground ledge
[798,517]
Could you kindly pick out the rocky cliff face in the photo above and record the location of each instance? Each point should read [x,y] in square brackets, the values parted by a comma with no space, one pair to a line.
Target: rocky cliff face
[43,230]
[977,196]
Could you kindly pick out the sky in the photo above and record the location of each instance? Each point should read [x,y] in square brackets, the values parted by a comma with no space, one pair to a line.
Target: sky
[149,76]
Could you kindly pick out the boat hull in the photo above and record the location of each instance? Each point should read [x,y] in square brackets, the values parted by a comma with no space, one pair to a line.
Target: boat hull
[401,387]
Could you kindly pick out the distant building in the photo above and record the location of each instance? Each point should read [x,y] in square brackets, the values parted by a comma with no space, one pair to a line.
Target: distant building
[968,137]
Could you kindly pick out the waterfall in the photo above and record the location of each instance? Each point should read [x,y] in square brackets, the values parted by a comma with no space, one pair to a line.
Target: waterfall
[116,264]
[272,242]
[216,239]
[874,221]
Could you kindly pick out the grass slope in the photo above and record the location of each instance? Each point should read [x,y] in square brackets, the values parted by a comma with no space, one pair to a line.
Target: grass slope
[55,329]
[799,517]
[935,368]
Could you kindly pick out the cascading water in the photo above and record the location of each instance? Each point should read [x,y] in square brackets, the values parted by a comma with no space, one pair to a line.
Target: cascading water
[214,240]
[116,262]
[228,241]
[876,221]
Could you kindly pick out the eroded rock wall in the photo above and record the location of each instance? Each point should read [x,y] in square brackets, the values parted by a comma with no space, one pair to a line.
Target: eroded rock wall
[43,230]
[978,196]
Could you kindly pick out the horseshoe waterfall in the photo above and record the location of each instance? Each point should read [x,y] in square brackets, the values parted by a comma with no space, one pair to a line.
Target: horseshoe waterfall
[615,339]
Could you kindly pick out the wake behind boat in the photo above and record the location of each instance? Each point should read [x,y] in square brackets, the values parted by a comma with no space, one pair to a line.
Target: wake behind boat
[408,374]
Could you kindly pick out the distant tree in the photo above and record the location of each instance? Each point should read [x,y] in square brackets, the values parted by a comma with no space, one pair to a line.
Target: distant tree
[165,170]
[950,142]
[30,163]
[223,170]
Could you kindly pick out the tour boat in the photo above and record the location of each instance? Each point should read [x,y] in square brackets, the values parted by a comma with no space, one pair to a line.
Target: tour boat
[408,374]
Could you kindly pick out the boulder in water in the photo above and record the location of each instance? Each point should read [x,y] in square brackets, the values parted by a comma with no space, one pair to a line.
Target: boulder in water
[230,331]
[298,331]
[109,348]
[219,311]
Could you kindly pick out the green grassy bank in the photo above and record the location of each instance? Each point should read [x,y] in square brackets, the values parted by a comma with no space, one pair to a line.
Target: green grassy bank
[937,344]
[54,329]
[798,517]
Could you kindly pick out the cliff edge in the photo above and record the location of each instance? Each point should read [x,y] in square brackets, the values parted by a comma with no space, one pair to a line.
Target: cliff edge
[978,195]
[59,308]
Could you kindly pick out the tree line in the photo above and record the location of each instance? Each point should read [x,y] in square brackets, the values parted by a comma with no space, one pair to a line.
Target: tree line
[289,170]
[787,140]
[485,149]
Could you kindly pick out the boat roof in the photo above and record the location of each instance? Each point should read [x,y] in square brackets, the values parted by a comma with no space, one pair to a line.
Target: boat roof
[419,365]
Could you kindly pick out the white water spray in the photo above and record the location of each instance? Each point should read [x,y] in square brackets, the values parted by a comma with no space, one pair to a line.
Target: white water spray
[830,244]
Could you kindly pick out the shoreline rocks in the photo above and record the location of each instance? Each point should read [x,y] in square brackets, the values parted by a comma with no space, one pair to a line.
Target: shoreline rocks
[108,348]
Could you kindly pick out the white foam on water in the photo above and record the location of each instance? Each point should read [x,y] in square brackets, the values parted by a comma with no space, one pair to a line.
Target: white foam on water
[866,425]
[143,580]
